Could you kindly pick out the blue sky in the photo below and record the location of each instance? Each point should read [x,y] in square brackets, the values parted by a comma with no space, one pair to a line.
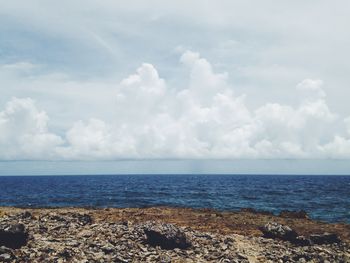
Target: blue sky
[96,81]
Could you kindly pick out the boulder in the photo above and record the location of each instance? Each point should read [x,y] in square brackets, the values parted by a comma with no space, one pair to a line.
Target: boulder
[325,238]
[13,236]
[278,231]
[167,236]
[275,230]
[302,241]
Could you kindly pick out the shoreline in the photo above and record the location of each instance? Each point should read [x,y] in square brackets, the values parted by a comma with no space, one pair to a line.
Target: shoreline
[121,235]
[189,216]
[281,213]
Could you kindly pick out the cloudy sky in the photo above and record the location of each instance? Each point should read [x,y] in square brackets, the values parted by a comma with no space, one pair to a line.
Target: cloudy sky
[116,80]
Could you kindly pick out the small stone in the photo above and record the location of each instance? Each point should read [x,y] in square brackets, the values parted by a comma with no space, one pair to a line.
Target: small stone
[5,257]
[25,215]
[108,249]
[84,219]
[85,233]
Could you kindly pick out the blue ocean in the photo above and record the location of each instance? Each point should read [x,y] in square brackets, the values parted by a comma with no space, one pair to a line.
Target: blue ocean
[325,198]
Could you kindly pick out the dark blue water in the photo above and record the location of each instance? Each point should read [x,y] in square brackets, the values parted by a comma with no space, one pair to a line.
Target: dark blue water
[323,197]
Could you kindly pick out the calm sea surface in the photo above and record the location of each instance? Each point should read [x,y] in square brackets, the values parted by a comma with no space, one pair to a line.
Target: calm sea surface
[323,197]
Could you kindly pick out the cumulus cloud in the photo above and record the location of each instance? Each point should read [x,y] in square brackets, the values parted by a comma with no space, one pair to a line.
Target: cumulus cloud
[311,89]
[141,95]
[207,119]
[24,133]
[204,84]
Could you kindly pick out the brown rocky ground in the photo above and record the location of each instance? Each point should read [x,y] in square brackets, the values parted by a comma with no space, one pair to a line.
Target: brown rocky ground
[118,235]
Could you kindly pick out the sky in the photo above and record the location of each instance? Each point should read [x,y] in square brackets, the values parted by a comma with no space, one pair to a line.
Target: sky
[182,80]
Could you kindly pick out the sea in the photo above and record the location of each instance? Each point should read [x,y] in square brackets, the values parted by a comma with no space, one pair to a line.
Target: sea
[325,198]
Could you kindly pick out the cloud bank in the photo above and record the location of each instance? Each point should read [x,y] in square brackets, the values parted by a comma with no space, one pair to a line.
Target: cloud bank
[204,119]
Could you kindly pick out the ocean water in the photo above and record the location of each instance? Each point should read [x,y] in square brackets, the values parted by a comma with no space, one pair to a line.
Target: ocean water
[325,198]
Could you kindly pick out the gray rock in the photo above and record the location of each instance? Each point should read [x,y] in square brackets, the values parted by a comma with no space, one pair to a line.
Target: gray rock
[83,219]
[75,240]
[6,254]
[167,236]
[275,230]
[13,236]
[26,215]
[325,238]
[302,241]
[5,257]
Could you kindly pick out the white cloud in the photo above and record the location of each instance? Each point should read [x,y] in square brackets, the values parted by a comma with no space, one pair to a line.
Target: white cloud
[87,139]
[141,95]
[347,123]
[339,148]
[204,120]
[311,89]
[24,133]
[204,84]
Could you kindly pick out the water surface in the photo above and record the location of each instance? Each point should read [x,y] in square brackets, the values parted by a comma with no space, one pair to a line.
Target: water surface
[323,197]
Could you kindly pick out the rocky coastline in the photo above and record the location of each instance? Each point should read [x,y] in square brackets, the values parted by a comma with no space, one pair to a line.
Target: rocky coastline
[165,234]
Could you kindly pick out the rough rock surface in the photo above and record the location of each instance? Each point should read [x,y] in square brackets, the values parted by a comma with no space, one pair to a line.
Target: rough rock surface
[167,236]
[13,235]
[95,235]
[325,238]
[275,230]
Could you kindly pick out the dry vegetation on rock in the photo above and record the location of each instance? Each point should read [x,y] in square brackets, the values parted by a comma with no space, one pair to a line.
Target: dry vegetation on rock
[164,234]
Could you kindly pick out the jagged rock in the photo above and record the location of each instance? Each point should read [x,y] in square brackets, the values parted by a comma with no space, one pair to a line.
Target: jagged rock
[84,219]
[65,254]
[13,236]
[294,214]
[25,215]
[111,240]
[57,218]
[167,236]
[6,254]
[275,230]
[325,238]
[6,257]
[302,241]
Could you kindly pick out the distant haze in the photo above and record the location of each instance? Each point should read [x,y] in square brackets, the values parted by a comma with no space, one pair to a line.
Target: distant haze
[246,167]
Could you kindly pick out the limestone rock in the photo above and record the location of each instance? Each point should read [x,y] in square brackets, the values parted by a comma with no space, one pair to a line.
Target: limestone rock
[275,230]
[166,236]
[13,236]
[325,238]
[68,235]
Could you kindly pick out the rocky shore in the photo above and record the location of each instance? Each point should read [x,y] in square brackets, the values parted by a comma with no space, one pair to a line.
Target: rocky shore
[164,234]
